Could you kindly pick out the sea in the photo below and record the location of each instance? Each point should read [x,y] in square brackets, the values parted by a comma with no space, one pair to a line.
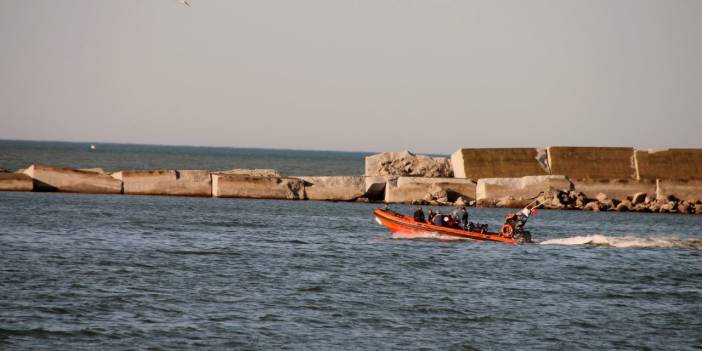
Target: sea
[119,272]
[18,154]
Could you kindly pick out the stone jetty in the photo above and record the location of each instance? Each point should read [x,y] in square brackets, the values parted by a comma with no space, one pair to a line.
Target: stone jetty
[584,178]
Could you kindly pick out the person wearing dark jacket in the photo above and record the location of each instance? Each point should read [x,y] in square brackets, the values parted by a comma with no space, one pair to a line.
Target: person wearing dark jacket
[463,217]
[419,215]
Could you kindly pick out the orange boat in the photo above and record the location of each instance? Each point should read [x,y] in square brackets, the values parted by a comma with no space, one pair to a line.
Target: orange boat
[406,225]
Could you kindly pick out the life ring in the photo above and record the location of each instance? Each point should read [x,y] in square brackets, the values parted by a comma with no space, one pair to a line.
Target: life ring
[507,230]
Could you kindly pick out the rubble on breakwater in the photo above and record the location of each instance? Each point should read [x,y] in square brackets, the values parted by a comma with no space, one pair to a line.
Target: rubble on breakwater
[595,179]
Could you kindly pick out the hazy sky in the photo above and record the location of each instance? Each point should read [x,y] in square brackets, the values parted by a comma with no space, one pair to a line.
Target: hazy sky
[377,75]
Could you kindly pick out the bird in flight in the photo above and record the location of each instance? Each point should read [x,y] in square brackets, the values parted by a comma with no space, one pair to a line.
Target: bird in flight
[184,2]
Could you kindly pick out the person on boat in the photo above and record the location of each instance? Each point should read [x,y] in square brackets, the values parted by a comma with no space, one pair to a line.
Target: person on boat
[463,217]
[419,215]
[438,219]
[450,221]
[430,217]
[454,221]
[460,216]
[514,223]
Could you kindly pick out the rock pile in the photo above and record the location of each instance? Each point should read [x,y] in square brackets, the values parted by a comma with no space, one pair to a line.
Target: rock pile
[639,202]
[406,163]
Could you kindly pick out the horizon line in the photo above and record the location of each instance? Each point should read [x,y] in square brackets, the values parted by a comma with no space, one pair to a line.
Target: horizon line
[184,145]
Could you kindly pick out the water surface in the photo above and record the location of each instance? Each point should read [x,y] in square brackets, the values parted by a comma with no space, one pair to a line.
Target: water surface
[114,157]
[85,272]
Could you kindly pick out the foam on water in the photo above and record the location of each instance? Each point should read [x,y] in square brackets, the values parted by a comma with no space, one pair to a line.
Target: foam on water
[599,240]
[595,240]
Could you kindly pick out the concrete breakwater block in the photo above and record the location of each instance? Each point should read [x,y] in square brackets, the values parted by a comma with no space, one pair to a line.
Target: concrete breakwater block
[48,178]
[334,188]
[674,164]
[255,187]
[618,189]
[405,163]
[416,189]
[690,190]
[93,170]
[517,192]
[258,172]
[499,162]
[15,182]
[166,182]
[592,162]
[375,187]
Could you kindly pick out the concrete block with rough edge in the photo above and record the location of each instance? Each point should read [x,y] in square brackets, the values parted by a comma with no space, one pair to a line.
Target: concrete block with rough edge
[411,189]
[690,190]
[166,182]
[406,163]
[499,163]
[47,178]
[592,162]
[15,182]
[334,188]
[255,187]
[674,164]
[490,191]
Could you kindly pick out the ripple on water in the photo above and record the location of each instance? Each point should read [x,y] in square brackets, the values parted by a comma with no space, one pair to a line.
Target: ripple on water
[179,273]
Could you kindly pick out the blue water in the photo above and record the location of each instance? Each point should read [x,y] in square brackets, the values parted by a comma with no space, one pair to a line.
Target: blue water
[86,272]
[114,157]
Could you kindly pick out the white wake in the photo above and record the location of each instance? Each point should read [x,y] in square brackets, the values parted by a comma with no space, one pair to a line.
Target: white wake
[628,242]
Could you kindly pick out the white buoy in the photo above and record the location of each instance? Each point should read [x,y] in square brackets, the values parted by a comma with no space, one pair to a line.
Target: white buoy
[92,146]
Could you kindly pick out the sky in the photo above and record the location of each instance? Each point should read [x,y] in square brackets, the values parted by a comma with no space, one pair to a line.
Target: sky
[363,75]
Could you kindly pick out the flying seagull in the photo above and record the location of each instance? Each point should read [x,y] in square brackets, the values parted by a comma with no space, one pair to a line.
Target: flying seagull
[184,2]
